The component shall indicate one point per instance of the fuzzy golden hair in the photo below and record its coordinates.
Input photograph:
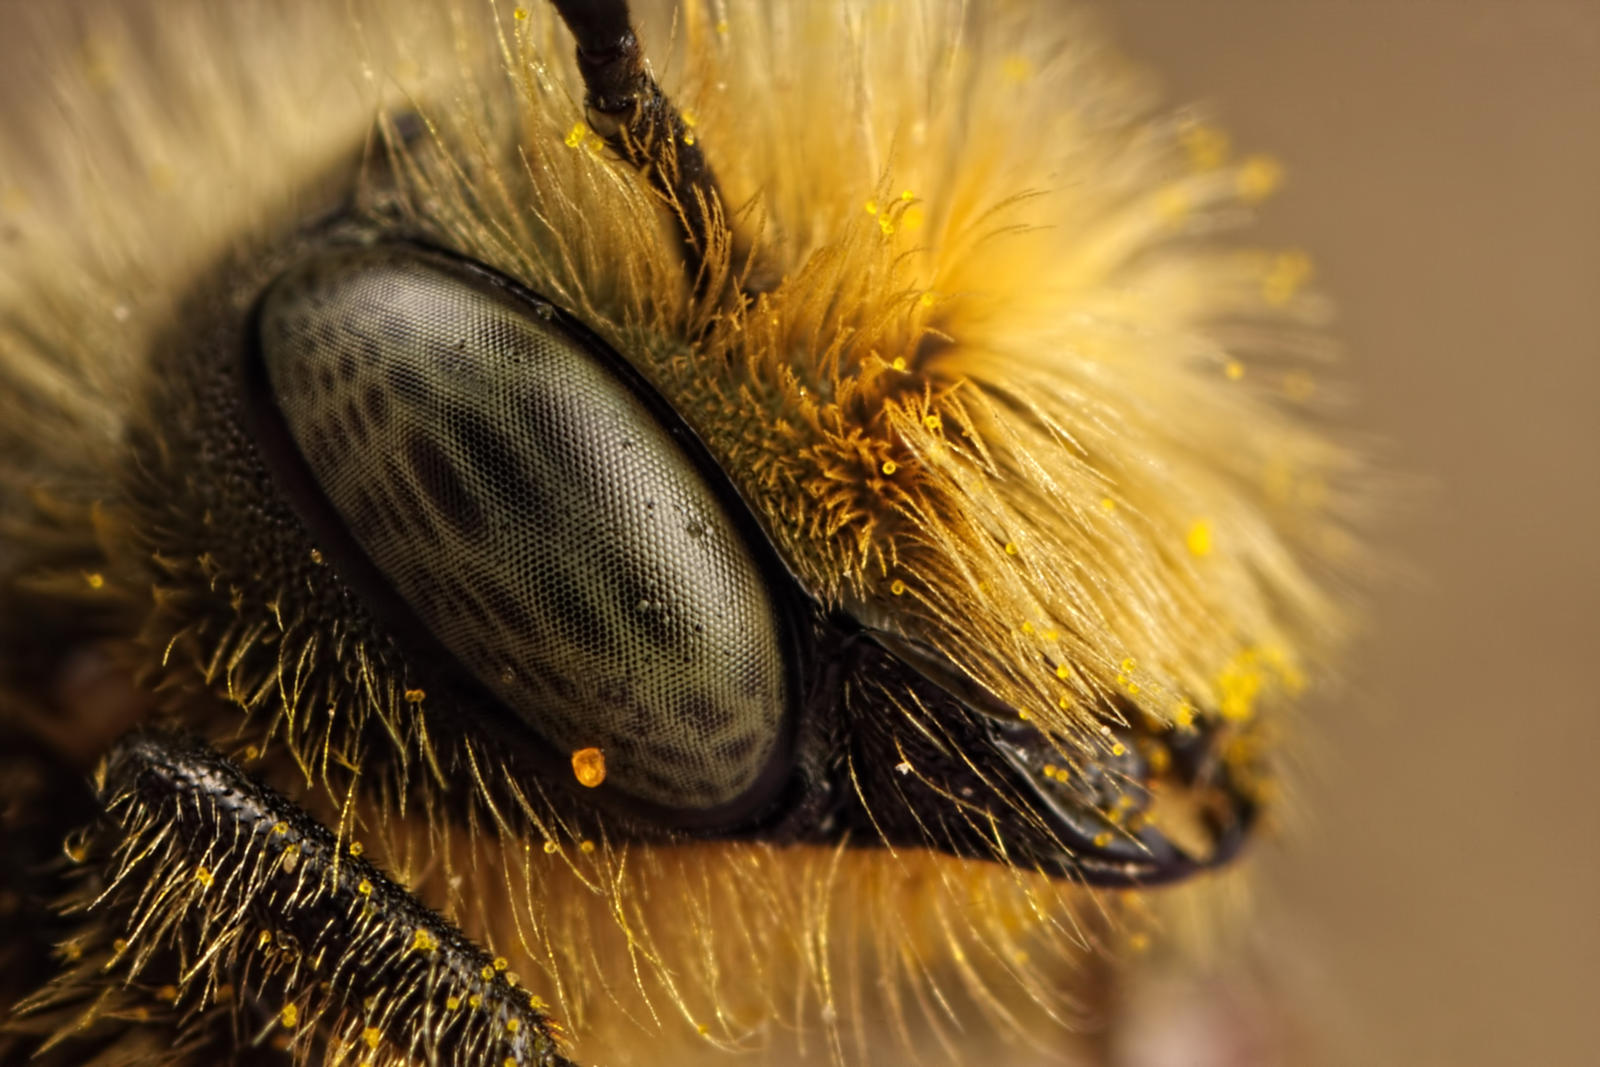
(999, 383)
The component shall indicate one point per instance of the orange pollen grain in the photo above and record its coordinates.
(589, 766)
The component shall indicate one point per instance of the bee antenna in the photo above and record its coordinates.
(629, 110)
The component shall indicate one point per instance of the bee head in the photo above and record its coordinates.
(867, 445)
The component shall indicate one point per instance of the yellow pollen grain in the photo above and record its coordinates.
(1011, 548)
(688, 138)
(1049, 770)
(886, 224)
(1119, 749)
(474, 1000)
(576, 135)
(871, 207)
(1065, 703)
(933, 422)
(280, 828)
(1199, 538)
(263, 940)
(897, 587)
(500, 963)
(550, 848)
(96, 581)
(357, 848)
(586, 846)
(689, 117)
(889, 466)
(487, 972)
(926, 300)
(899, 363)
(907, 195)
(416, 696)
(513, 1025)
(364, 887)
(1183, 715)
(1023, 715)
(422, 941)
(120, 945)
(520, 14)
(289, 1015)
(1258, 178)
(1108, 505)
(1174, 203)
(1285, 277)
(1233, 369)
(589, 767)
(1027, 627)
(452, 1003)
(371, 1036)
(1206, 145)
(1102, 839)
(202, 876)
(1129, 665)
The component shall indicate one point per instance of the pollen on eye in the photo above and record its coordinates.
(589, 767)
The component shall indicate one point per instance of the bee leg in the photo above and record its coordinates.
(222, 902)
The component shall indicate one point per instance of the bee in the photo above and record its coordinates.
(560, 533)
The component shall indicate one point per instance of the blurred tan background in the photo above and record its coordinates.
(1442, 903)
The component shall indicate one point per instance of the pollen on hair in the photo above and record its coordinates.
(1258, 178)
(1206, 145)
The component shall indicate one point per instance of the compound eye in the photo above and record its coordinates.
(537, 511)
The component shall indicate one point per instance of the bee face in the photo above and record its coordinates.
(822, 517)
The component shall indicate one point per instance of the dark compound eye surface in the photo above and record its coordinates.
(534, 513)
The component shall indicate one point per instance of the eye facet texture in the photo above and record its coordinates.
(535, 515)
